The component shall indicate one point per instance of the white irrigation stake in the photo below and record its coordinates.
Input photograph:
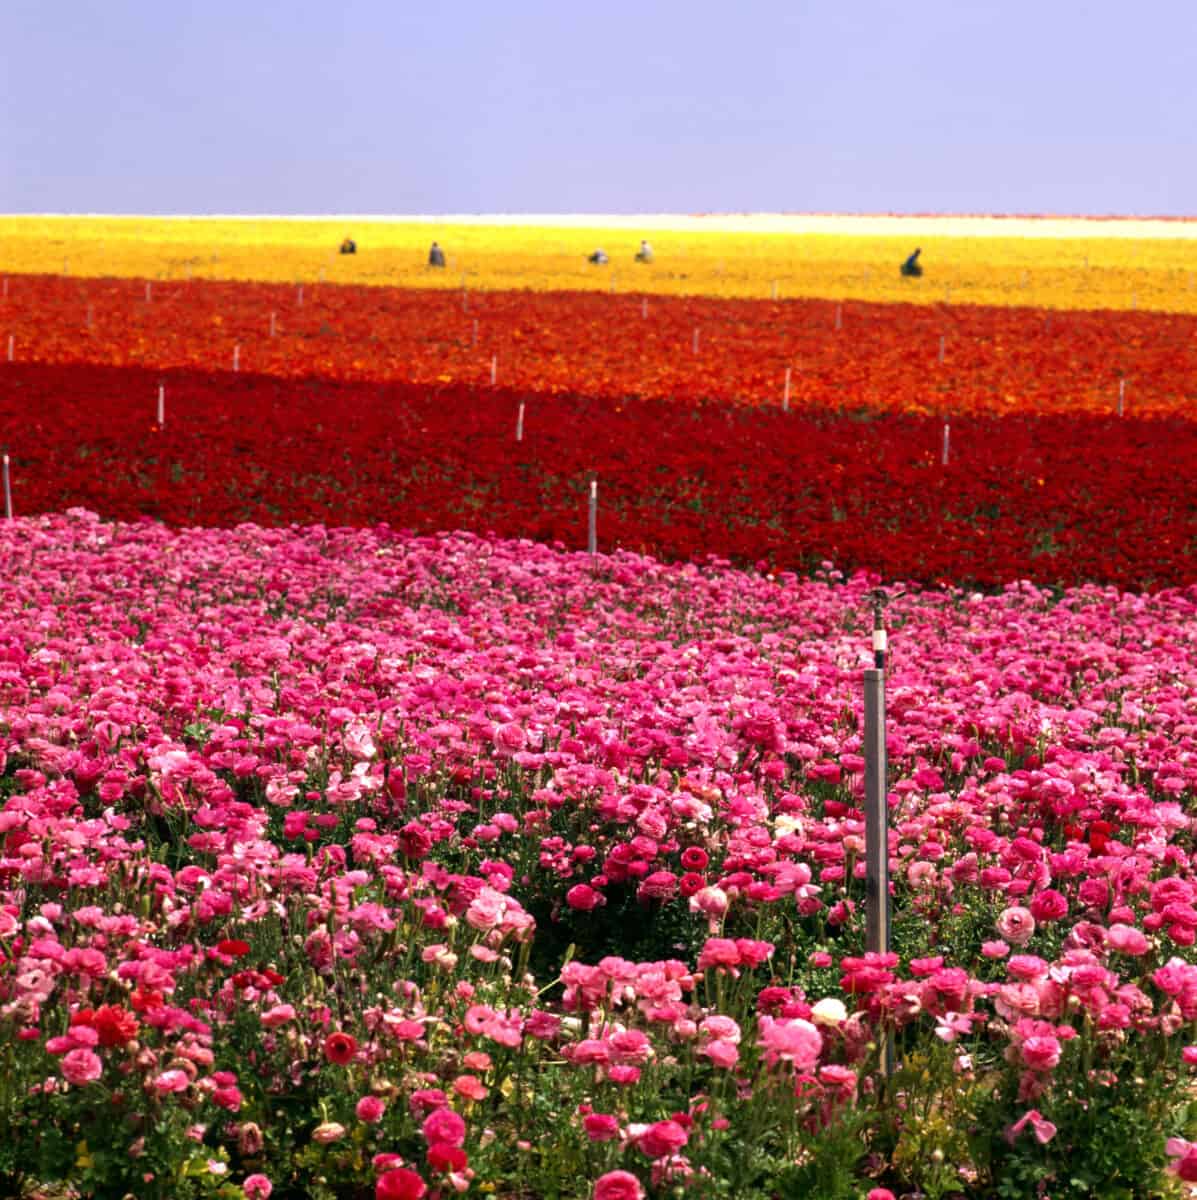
(519, 424)
(161, 406)
(10, 345)
(272, 324)
(694, 342)
(237, 357)
(494, 369)
(941, 345)
(1121, 395)
(592, 524)
(947, 438)
(7, 491)
(839, 316)
(785, 395)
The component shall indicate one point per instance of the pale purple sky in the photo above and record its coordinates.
(395, 106)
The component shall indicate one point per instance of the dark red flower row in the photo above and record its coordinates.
(1059, 499)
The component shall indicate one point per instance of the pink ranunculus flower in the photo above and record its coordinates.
(369, 1109)
(1041, 1053)
(601, 1127)
(444, 1127)
(280, 1014)
(721, 1052)
(1126, 939)
(257, 1187)
(618, 1185)
(584, 898)
(1049, 905)
(1184, 1158)
(84, 1066)
(662, 1139)
(1016, 925)
(794, 1041)
(172, 1081)
(1043, 1129)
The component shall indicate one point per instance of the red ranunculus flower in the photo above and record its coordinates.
(399, 1184)
(340, 1048)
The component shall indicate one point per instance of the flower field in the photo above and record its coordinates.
(352, 862)
(362, 838)
(881, 358)
(1062, 499)
(1052, 262)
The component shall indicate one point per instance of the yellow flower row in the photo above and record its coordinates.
(830, 258)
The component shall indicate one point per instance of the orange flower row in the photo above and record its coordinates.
(808, 353)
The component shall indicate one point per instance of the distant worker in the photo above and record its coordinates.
(911, 265)
(349, 246)
(599, 258)
(436, 256)
(645, 253)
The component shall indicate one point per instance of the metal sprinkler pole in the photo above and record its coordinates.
(877, 901)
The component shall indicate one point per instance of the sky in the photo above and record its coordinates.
(570, 106)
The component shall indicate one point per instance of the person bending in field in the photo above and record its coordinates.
(911, 266)
(599, 258)
(645, 253)
(349, 246)
(436, 256)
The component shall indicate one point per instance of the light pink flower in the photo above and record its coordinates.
(84, 1066)
(794, 1041)
(1016, 925)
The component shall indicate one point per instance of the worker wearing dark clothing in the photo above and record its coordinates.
(911, 265)
(436, 256)
(349, 246)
